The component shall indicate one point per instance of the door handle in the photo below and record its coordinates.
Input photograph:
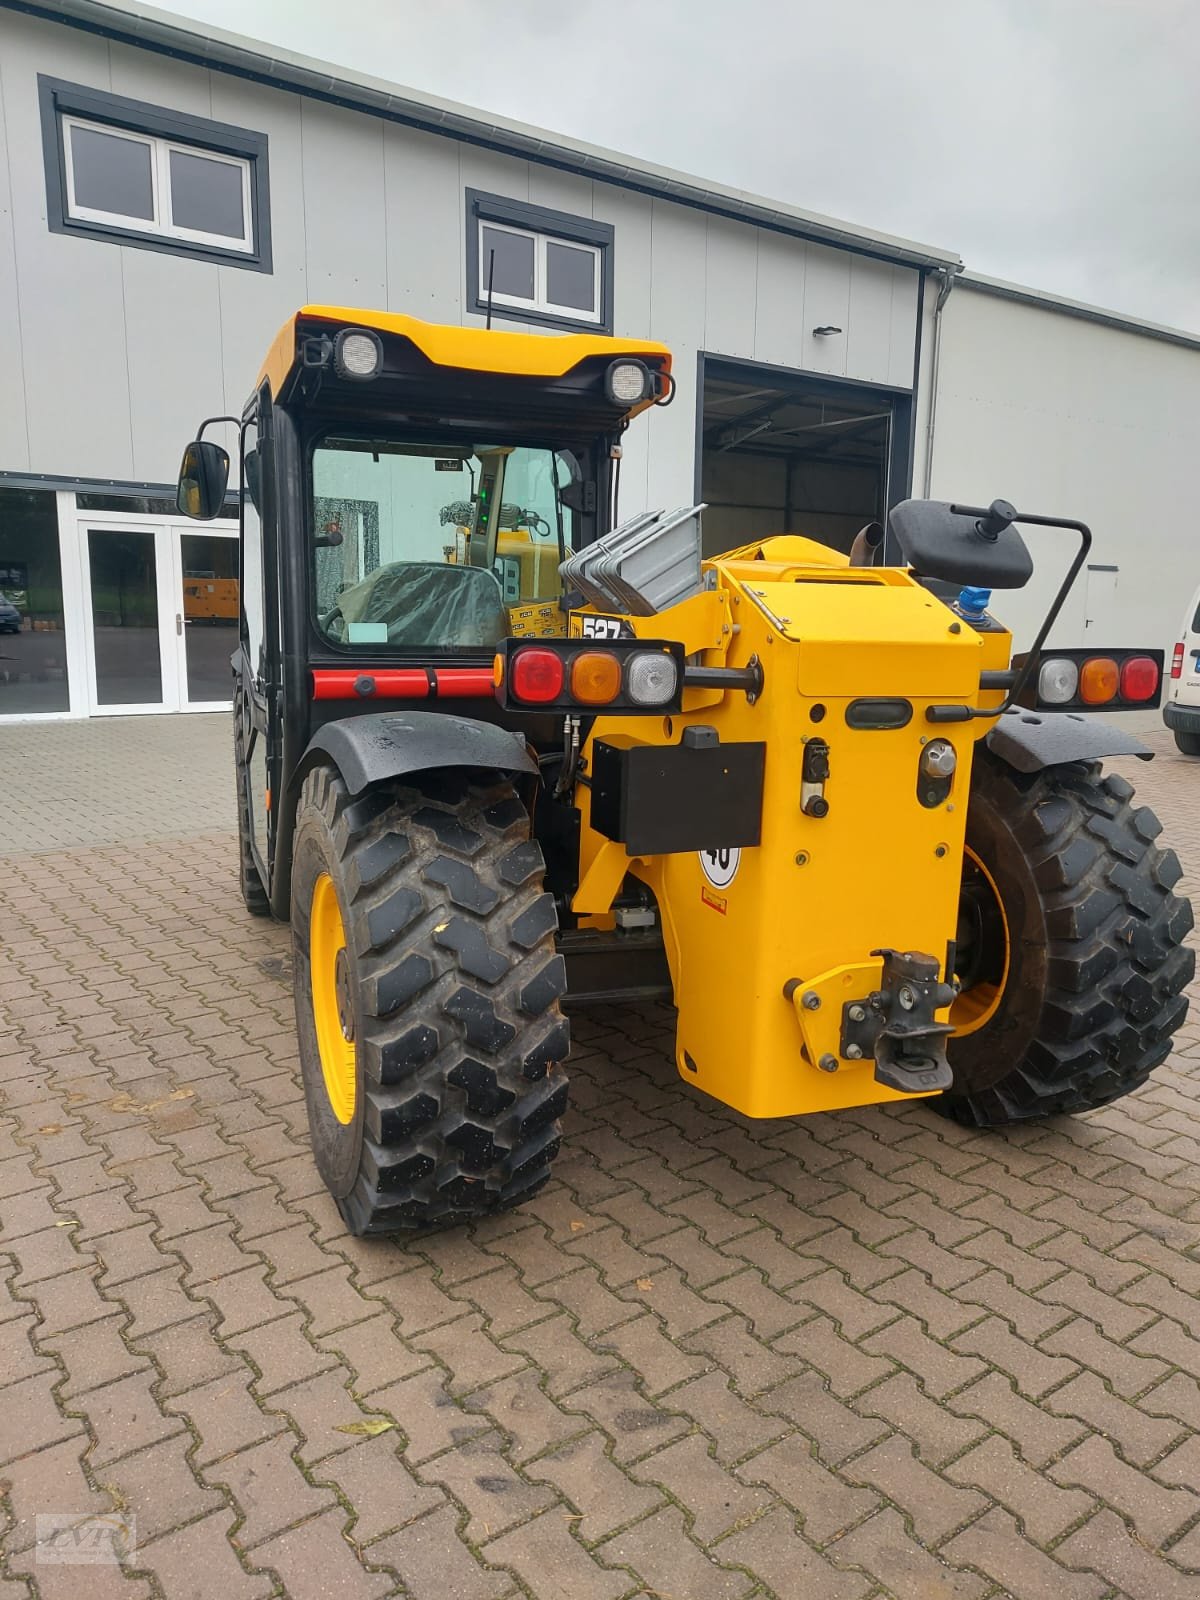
(179, 624)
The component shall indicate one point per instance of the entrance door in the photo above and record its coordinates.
(162, 608)
(131, 655)
(205, 584)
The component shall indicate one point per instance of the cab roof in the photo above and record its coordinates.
(495, 351)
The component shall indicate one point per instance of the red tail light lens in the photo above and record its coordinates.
(1177, 661)
(536, 676)
(1139, 678)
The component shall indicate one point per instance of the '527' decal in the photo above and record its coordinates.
(588, 625)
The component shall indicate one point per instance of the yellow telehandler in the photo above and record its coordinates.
(494, 750)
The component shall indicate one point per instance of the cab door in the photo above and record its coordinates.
(257, 673)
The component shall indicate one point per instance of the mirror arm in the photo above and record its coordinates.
(1032, 660)
(209, 421)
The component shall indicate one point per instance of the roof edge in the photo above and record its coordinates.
(182, 37)
(1001, 289)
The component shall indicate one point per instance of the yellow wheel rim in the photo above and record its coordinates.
(979, 1001)
(333, 1010)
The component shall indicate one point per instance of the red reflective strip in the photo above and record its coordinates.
(388, 683)
(402, 683)
(464, 683)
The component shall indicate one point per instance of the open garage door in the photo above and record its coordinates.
(784, 452)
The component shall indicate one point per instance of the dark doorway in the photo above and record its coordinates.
(787, 452)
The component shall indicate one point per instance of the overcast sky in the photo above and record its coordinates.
(1053, 142)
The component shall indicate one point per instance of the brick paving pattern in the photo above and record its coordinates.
(850, 1357)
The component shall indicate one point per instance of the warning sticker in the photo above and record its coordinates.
(720, 866)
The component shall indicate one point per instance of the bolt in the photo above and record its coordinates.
(801, 858)
(853, 1052)
(810, 1000)
(856, 1014)
(940, 851)
(906, 998)
(956, 627)
(828, 1063)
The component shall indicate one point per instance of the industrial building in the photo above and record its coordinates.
(170, 194)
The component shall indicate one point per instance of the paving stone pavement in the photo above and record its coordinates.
(844, 1358)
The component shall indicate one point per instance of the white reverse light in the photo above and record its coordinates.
(651, 678)
(1058, 681)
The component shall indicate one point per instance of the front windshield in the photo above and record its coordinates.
(438, 546)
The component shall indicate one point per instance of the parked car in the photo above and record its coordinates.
(1181, 710)
(10, 617)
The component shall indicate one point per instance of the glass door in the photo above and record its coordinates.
(130, 653)
(206, 610)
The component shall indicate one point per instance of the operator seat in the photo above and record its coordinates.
(426, 603)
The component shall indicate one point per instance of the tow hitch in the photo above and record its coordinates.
(896, 1024)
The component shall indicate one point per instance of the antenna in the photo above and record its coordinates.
(491, 274)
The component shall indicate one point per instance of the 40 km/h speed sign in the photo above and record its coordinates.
(720, 866)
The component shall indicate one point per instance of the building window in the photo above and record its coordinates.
(33, 646)
(542, 266)
(118, 169)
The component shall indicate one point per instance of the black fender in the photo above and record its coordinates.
(388, 744)
(1031, 740)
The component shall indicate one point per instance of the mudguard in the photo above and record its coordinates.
(1031, 740)
(367, 749)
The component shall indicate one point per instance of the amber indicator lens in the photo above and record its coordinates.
(595, 677)
(1099, 680)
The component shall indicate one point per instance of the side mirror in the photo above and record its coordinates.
(203, 478)
(963, 544)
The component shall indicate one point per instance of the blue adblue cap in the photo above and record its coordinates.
(974, 602)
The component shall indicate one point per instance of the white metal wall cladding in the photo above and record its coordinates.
(119, 351)
(1064, 416)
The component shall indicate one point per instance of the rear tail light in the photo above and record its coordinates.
(1099, 681)
(624, 676)
(1058, 681)
(536, 676)
(1139, 678)
(1177, 661)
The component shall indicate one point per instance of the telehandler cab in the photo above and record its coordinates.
(493, 752)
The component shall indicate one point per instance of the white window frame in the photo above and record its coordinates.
(162, 225)
(540, 302)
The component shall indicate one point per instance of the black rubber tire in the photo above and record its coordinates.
(1098, 963)
(1188, 744)
(254, 895)
(455, 985)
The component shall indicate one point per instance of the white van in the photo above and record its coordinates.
(1181, 710)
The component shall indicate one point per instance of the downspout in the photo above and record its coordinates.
(946, 274)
